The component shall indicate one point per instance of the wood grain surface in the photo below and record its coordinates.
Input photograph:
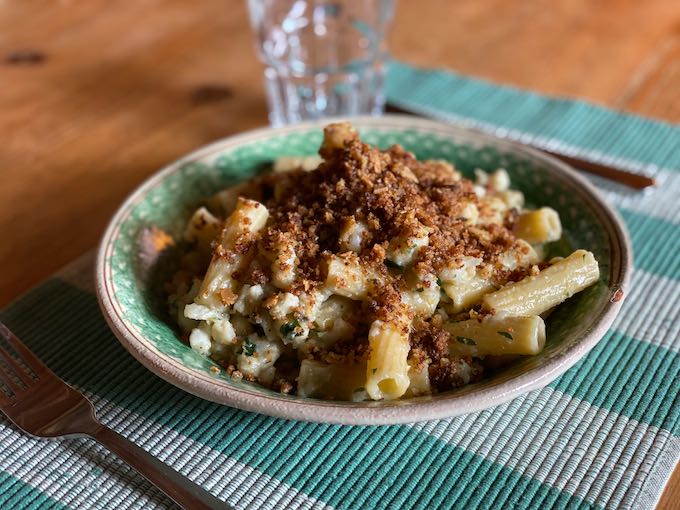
(96, 95)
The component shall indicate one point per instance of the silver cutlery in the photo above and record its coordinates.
(41, 404)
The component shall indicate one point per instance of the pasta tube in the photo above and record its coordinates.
(288, 163)
(347, 277)
(285, 262)
(419, 378)
(202, 229)
(424, 298)
(539, 226)
(225, 201)
(465, 294)
(241, 227)
(497, 335)
(463, 286)
(334, 382)
(536, 294)
(387, 369)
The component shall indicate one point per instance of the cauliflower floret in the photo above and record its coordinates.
(284, 305)
(223, 332)
(249, 299)
(199, 340)
(257, 358)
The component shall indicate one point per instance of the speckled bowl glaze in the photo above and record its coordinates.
(131, 305)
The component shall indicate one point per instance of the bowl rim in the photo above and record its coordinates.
(406, 411)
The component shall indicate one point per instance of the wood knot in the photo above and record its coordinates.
(25, 57)
(210, 93)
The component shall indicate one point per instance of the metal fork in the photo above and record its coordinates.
(43, 405)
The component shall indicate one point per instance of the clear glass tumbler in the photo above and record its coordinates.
(322, 57)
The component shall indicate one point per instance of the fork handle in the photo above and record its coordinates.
(180, 489)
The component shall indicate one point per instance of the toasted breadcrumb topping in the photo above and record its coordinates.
(393, 194)
(375, 209)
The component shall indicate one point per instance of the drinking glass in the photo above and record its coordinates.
(322, 57)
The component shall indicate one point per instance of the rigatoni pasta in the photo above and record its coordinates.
(387, 368)
(538, 293)
(495, 335)
(362, 274)
(218, 287)
(539, 226)
(334, 382)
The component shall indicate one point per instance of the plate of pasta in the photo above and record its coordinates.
(387, 270)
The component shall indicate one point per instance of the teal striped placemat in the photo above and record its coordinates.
(604, 435)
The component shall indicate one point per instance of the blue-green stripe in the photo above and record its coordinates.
(633, 378)
(577, 123)
(656, 243)
(348, 467)
(16, 494)
(613, 376)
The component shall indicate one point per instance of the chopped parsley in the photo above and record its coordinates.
(393, 265)
(420, 289)
(248, 347)
(439, 281)
(465, 340)
(506, 335)
(288, 329)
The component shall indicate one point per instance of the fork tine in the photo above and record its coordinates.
(24, 377)
(6, 378)
(5, 400)
(26, 355)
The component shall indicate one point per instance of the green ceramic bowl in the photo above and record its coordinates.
(132, 302)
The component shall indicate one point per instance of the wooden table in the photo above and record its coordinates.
(96, 95)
